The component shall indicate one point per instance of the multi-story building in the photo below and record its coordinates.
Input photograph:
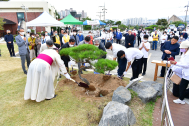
(12, 12)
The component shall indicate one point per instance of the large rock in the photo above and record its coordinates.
(147, 90)
(121, 95)
(117, 114)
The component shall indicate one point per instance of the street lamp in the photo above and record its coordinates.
(26, 9)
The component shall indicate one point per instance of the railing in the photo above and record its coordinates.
(166, 119)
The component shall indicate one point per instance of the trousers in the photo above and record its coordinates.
(154, 45)
(11, 50)
(23, 59)
(176, 89)
(136, 67)
(139, 40)
(118, 41)
(182, 89)
(32, 54)
(143, 65)
(122, 66)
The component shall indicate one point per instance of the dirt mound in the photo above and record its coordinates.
(103, 86)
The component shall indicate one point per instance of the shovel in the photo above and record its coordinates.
(81, 84)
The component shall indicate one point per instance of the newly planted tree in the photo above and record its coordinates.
(105, 65)
(84, 54)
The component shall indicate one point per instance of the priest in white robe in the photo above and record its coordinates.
(41, 75)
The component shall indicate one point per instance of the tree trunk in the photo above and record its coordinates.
(79, 73)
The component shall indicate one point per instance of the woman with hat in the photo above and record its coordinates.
(184, 64)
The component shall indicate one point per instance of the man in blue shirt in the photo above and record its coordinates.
(170, 48)
(9, 40)
(81, 38)
(118, 36)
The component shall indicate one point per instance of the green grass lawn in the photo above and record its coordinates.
(65, 109)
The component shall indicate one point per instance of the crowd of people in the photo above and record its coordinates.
(41, 53)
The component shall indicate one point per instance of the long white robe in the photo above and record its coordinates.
(41, 75)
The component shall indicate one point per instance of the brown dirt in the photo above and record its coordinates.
(74, 72)
(103, 88)
(106, 77)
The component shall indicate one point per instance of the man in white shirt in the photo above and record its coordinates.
(122, 62)
(163, 38)
(132, 54)
(103, 37)
(47, 37)
(144, 47)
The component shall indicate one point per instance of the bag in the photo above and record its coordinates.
(176, 79)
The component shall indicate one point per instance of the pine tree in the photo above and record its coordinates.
(85, 54)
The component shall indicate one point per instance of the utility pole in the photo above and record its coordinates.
(104, 11)
(186, 13)
(99, 15)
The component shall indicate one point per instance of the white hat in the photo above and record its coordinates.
(184, 44)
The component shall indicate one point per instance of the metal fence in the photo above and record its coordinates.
(166, 119)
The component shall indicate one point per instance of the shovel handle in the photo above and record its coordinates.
(72, 80)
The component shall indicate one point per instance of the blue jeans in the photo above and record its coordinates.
(134, 43)
(103, 41)
(112, 41)
(154, 44)
(122, 66)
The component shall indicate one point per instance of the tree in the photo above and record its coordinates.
(4, 0)
(162, 22)
(57, 15)
(118, 23)
(84, 54)
(105, 65)
(122, 27)
(84, 19)
(1, 23)
(110, 22)
(136, 27)
(179, 22)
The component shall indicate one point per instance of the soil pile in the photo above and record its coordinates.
(104, 85)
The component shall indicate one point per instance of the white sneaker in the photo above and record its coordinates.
(178, 101)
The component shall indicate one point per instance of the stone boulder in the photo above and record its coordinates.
(121, 95)
(147, 90)
(117, 114)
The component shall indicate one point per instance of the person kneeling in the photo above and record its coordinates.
(41, 75)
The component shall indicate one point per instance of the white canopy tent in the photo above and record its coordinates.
(43, 20)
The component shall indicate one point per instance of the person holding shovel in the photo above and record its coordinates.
(41, 75)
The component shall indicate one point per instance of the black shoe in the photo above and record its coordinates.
(143, 74)
(25, 72)
(161, 75)
(60, 76)
(132, 78)
(53, 97)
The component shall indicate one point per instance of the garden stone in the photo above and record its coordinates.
(121, 95)
(157, 86)
(147, 94)
(117, 114)
(147, 90)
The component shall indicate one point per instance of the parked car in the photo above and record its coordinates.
(181, 27)
(172, 26)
